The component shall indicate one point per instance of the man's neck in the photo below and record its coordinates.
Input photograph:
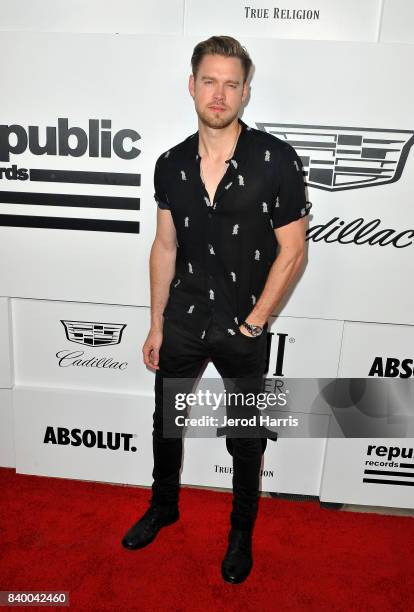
(217, 144)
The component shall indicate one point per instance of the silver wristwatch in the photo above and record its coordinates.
(255, 330)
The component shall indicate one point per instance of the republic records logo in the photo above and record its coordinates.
(336, 158)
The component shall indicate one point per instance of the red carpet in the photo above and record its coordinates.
(58, 534)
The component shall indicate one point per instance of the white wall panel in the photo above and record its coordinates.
(94, 16)
(7, 458)
(311, 347)
(309, 19)
(346, 465)
(397, 21)
(368, 349)
(86, 346)
(6, 349)
(81, 81)
(296, 464)
(373, 471)
(87, 411)
(208, 463)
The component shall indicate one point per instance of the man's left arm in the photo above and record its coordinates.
(291, 239)
(289, 223)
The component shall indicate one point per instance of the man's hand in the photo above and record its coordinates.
(151, 348)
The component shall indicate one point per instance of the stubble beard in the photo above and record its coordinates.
(216, 122)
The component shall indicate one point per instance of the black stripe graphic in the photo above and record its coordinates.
(79, 176)
(389, 472)
(91, 225)
(393, 482)
(381, 141)
(306, 144)
(65, 199)
(361, 170)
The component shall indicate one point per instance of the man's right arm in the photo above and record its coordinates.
(162, 265)
(162, 270)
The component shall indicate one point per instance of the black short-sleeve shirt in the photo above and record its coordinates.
(225, 248)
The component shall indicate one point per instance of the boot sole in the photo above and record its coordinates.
(232, 580)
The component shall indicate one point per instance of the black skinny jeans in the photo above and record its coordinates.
(182, 355)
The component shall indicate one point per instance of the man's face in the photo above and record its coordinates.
(218, 90)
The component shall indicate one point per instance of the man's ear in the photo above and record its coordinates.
(191, 85)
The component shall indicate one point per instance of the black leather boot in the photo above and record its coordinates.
(144, 531)
(238, 560)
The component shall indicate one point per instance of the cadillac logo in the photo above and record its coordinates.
(93, 334)
(336, 158)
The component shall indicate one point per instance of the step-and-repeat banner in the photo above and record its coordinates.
(80, 131)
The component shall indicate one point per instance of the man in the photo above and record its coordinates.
(227, 197)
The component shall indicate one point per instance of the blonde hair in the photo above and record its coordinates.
(221, 45)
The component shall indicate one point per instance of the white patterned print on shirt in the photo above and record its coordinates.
(267, 156)
(241, 180)
(211, 294)
(177, 283)
(264, 206)
(190, 310)
(296, 165)
(257, 254)
(211, 249)
(183, 176)
(203, 334)
(233, 276)
(233, 161)
(186, 220)
(231, 331)
(228, 185)
(253, 299)
(235, 229)
(190, 267)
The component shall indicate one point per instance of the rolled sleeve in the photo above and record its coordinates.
(290, 198)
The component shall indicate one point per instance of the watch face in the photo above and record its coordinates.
(256, 330)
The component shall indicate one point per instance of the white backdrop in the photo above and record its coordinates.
(357, 281)
(76, 226)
